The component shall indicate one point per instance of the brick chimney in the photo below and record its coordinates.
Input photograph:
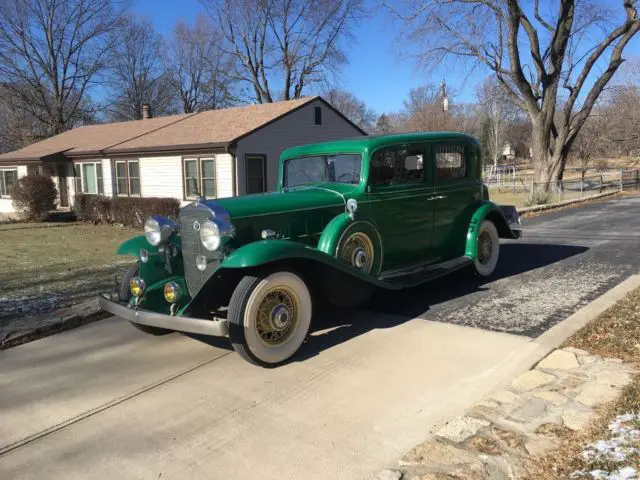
(146, 111)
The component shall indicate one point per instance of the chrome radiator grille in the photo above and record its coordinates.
(191, 217)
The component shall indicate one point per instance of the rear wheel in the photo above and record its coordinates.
(488, 249)
(124, 293)
(269, 317)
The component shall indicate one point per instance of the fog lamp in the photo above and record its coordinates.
(172, 292)
(137, 286)
(144, 255)
(201, 262)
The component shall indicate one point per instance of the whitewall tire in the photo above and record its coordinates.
(488, 249)
(269, 317)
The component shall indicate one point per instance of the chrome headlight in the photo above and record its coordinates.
(158, 230)
(210, 235)
(215, 233)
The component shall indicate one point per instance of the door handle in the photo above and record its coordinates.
(437, 197)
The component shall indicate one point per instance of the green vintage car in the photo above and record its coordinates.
(348, 217)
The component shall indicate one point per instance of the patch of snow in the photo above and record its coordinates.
(623, 442)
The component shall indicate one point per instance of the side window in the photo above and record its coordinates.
(450, 162)
(397, 165)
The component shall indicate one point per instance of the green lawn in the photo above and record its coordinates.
(50, 266)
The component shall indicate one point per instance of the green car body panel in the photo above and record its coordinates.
(426, 222)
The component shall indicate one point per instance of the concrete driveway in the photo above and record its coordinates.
(105, 401)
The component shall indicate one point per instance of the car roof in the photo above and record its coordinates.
(372, 142)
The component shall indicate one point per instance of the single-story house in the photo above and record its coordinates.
(219, 153)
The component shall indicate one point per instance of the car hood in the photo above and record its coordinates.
(301, 198)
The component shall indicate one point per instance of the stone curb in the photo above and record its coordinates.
(52, 323)
(551, 206)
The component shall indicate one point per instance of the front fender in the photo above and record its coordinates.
(263, 252)
(330, 237)
(487, 210)
(133, 246)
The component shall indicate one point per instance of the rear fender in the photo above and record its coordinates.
(486, 211)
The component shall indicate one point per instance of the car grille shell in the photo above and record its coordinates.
(191, 218)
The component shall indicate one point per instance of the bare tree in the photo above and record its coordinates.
(423, 109)
(384, 125)
(199, 67)
(499, 111)
(534, 55)
(589, 142)
(137, 74)
(51, 53)
(352, 108)
(293, 44)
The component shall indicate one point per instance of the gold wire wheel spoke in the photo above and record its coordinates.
(278, 300)
(358, 246)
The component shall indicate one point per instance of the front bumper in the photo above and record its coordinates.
(218, 328)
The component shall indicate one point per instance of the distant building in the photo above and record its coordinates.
(509, 152)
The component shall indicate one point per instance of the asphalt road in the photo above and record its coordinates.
(105, 401)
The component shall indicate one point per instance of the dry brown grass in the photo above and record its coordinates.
(615, 333)
(48, 267)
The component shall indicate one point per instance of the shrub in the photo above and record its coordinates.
(131, 211)
(34, 196)
(537, 197)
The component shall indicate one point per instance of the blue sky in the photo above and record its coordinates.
(378, 72)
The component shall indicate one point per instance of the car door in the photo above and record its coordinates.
(398, 186)
(455, 193)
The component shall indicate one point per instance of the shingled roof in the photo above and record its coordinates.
(212, 128)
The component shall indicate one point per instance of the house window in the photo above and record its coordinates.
(450, 161)
(317, 116)
(128, 177)
(256, 177)
(89, 178)
(397, 165)
(199, 177)
(8, 178)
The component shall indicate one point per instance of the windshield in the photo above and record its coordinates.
(343, 168)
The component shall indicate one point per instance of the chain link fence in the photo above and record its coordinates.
(520, 189)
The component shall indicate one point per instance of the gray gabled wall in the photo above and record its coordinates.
(297, 128)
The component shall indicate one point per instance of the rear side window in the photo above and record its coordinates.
(396, 165)
(450, 161)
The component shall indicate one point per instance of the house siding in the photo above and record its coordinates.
(161, 177)
(224, 175)
(297, 128)
(6, 204)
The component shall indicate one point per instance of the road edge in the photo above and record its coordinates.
(55, 322)
(564, 203)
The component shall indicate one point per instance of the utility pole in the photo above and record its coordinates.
(445, 104)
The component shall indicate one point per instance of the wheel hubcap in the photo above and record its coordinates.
(485, 247)
(359, 258)
(357, 250)
(278, 315)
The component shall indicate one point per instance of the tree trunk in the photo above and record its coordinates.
(547, 164)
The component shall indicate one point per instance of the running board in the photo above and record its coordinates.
(420, 274)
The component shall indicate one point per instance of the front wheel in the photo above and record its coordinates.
(269, 317)
(488, 249)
